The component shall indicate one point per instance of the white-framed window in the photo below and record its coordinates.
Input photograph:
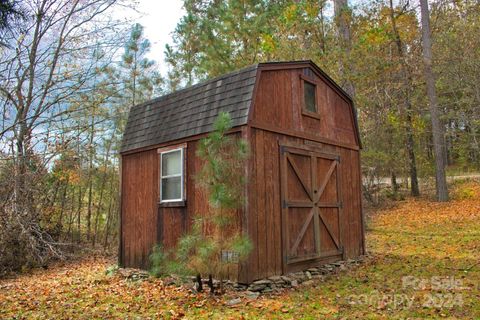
(171, 175)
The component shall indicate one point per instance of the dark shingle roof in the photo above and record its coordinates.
(190, 111)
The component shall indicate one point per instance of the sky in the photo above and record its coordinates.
(159, 18)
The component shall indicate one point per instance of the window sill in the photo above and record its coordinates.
(173, 204)
(310, 114)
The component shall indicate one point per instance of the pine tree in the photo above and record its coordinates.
(138, 74)
(223, 246)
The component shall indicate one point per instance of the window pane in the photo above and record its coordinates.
(171, 188)
(171, 163)
(309, 93)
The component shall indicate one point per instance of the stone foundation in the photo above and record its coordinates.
(272, 284)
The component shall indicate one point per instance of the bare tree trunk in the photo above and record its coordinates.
(134, 79)
(100, 200)
(109, 214)
(322, 29)
(79, 211)
(412, 163)
(406, 107)
(90, 172)
(393, 180)
(50, 202)
(62, 209)
(111, 210)
(70, 216)
(342, 12)
(438, 131)
(97, 215)
(21, 164)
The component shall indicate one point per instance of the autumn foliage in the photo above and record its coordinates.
(415, 238)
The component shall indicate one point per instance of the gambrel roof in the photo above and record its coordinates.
(192, 111)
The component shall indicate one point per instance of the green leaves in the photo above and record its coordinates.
(138, 75)
(215, 37)
(224, 159)
(222, 124)
(241, 245)
(158, 261)
(214, 231)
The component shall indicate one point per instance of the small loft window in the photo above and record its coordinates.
(310, 96)
(171, 175)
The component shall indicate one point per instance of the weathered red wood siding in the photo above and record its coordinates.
(278, 105)
(139, 207)
(176, 221)
(277, 118)
(146, 222)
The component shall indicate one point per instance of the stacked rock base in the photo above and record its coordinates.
(291, 280)
(306, 278)
(272, 284)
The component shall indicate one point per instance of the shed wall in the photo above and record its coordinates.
(146, 222)
(139, 205)
(278, 106)
(264, 205)
(277, 119)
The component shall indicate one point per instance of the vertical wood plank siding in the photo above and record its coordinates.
(278, 119)
(139, 207)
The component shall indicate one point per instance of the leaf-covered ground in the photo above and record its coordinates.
(424, 263)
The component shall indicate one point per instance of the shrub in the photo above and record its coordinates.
(222, 177)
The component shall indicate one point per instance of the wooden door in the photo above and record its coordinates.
(311, 207)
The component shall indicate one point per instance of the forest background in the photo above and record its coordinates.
(70, 71)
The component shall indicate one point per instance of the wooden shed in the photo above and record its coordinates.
(303, 199)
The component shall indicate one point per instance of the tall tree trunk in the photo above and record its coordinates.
(99, 209)
(393, 180)
(62, 209)
(438, 131)
(342, 13)
(109, 215)
(91, 153)
(134, 79)
(102, 188)
(406, 107)
(70, 216)
(112, 210)
(322, 29)
(412, 162)
(79, 211)
(21, 166)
